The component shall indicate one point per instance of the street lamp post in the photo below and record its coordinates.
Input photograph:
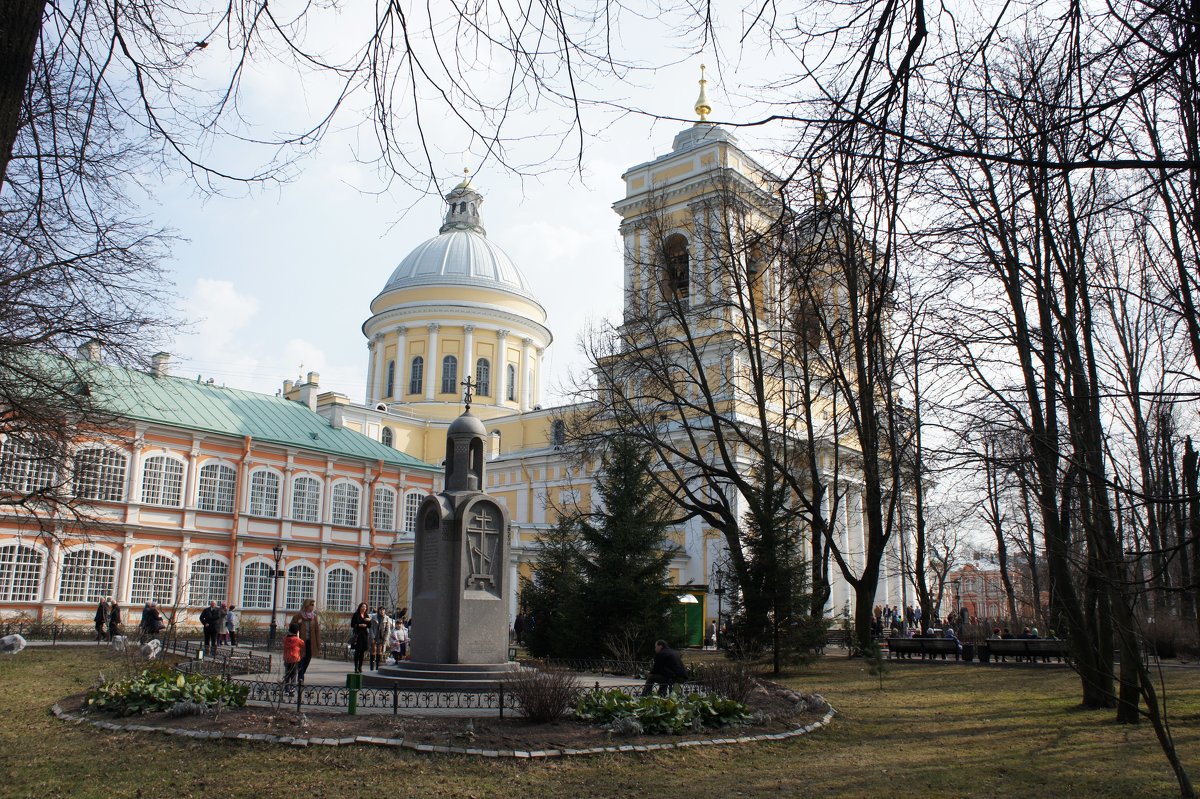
(277, 551)
(719, 584)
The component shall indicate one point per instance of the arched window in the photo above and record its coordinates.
(88, 575)
(306, 499)
(217, 485)
(449, 375)
(153, 580)
(26, 467)
(412, 503)
(339, 590)
(385, 509)
(257, 585)
(209, 581)
(379, 590)
(558, 432)
(511, 383)
(301, 585)
(162, 482)
(416, 375)
(20, 573)
(391, 380)
(387, 437)
(345, 504)
(483, 377)
(100, 474)
(264, 493)
(673, 280)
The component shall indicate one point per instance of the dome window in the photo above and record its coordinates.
(483, 377)
(387, 438)
(449, 375)
(511, 388)
(391, 379)
(416, 375)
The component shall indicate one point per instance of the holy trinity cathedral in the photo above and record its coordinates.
(215, 493)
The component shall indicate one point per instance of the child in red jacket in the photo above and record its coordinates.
(293, 652)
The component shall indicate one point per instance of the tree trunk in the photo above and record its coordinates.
(20, 25)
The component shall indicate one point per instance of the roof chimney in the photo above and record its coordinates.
(308, 390)
(314, 379)
(90, 350)
(160, 362)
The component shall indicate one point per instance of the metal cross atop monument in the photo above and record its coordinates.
(467, 393)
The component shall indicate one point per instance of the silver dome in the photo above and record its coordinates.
(459, 258)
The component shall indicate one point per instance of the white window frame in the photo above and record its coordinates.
(384, 508)
(165, 488)
(345, 502)
(22, 572)
(295, 591)
(216, 489)
(204, 584)
(258, 585)
(312, 501)
(156, 583)
(380, 594)
(339, 597)
(412, 506)
(261, 491)
(86, 589)
(107, 473)
(22, 469)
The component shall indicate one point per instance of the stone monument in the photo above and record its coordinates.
(460, 575)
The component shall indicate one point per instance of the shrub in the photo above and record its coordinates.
(161, 689)
(661, 715)
(731, 679)
(545, 694)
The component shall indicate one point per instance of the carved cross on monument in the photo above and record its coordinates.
(483, 541)
(467, 393)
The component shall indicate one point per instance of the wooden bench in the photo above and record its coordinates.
(1029, 649)
(925, 647)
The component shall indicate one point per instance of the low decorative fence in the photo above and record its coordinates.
(225, 661)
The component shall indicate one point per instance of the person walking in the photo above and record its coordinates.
(101, 619)
(310, 633)
(360, 634)
(114, 620)
(381, 634)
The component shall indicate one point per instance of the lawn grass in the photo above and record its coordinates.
(935, 730)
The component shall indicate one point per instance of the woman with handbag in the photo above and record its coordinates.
(360, 634)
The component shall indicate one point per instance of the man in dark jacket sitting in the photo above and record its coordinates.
(666, 671)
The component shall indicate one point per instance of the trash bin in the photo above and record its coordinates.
(968, 652)
(985, 654)
(353, 684)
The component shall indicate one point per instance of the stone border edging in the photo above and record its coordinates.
(518, 754)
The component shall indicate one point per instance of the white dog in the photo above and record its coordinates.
(118, 643)
(12, 644)
(151, 649)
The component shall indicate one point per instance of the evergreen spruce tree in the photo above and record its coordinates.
(553, 599)
(625, 556)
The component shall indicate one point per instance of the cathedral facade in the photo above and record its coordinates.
(207, 489)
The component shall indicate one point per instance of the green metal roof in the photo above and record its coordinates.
(210, 408)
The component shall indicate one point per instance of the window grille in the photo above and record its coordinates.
(301, 585)
(385, 508)
(345, 504)
(209, 581)
(217, 485)
(257, 586)
(306, 499)
(26, 467)
(412, 502)
(88, 575)
(20, 573)
(264, 493)
(162, 481)
(153, 580)
(100, 475)
(339, 590)
(379, 592)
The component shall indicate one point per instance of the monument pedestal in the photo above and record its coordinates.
(411, 675)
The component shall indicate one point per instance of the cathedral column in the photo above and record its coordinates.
(468, 369)
(523, 378)
(401, 387)
(501, 366)
(537, 382)
(432, 370)
(372, 370)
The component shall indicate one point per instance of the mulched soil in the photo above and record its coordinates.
(776, 709)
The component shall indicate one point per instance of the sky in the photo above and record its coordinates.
(276, 281)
